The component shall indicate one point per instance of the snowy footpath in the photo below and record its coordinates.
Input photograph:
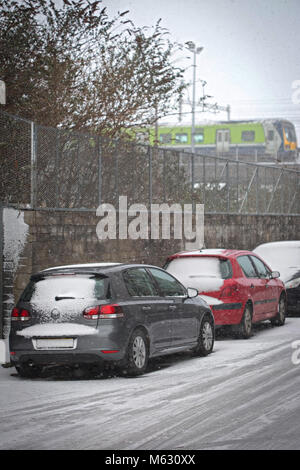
(243, 396)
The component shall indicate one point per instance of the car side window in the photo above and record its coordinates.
(139, 283)
(167, 284)
(247, 266)
(261, 268)
(226, 269)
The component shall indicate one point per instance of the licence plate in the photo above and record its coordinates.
(54, 343)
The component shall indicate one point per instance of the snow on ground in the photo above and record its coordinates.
(244, 395)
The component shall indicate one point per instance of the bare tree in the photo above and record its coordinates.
(73, 66)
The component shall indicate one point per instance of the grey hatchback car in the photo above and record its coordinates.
(95, 315)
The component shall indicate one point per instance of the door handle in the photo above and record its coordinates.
(146, 307)
(172, 307)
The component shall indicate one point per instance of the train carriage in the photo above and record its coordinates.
(274, 138)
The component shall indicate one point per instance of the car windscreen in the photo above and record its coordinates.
(205, 273)
(59, 287)
(284, 258)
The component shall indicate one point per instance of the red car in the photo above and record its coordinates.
(238, 285)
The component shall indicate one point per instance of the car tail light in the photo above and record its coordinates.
(229, 291)
(20, 314)
(103, 311)
(91, 313)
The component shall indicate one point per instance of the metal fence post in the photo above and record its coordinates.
(228, 188)
(193, 171)
(116, 173)
(150, 175)
(99, 171)
(1, 273)
(237, 185)
(57, 165)
(204, 179)
(33, 188)
(257, 191)
(164, 175)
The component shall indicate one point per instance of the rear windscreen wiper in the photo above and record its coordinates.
(58, 297)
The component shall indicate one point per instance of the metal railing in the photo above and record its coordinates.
(49, 168)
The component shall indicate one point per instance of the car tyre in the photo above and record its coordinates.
(29, 372)
(279, 319)
(245, 327)
(137, 354)
(206, 337)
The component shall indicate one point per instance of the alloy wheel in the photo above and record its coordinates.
(281, 310)
(248, 322)
(207, 336)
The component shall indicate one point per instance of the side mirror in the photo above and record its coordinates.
(192, 292)
(275, 274)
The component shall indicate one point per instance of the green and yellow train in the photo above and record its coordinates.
(269, 137)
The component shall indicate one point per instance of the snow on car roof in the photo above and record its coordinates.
(87, 265)
(281, 244)
(206, 252)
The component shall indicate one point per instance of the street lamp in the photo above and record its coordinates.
(195, 50)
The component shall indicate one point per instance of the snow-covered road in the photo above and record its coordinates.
(243, 396)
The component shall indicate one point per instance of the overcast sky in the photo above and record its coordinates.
(251, 49)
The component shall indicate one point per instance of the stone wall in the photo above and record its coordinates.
(51, 238)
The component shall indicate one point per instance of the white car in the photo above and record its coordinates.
(285, 257)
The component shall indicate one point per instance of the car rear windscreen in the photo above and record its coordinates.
(204, 273)
(59, 287)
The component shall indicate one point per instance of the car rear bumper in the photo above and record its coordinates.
(107, 346)
(293, 300)
(293, 308)
(228, 313)
(63, 358)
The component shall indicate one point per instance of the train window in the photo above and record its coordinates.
(199, 137)
(165, 138)
(248, 136)
(181, 138)
(270, 135)
(290, 134)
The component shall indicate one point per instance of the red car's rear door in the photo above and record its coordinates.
(255, 287)
(271, 296)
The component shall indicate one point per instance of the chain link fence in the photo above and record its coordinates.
(51, 168)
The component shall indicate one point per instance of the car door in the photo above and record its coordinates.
(148, 307)
(254, 287)
(270, 286)
(184, 321)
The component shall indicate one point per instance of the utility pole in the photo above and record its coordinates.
(228, 109)
(196, 50)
